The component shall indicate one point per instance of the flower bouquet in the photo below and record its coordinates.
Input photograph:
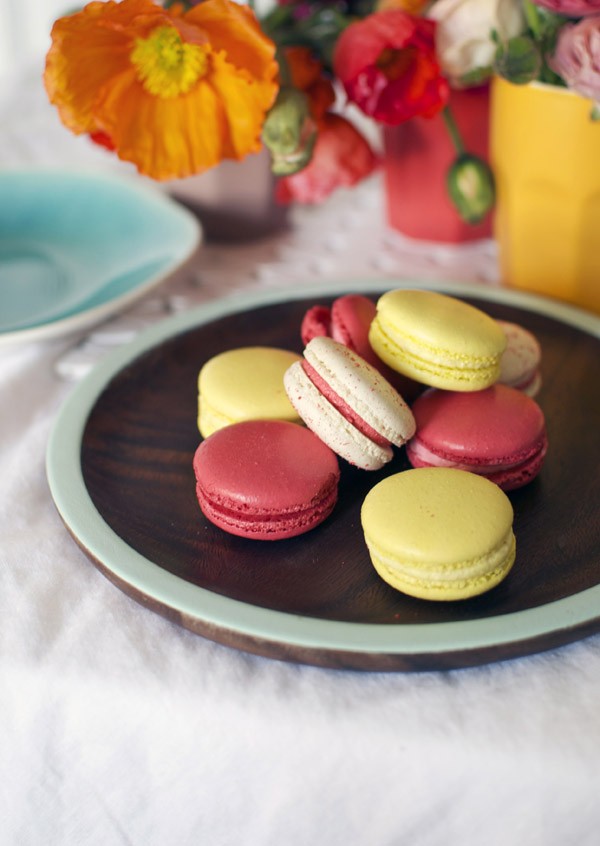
(178, 88)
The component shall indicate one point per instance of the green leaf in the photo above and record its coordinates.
(477, 76)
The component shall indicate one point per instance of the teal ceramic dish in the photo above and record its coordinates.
(77, 247)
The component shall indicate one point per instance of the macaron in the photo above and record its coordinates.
(348, 404)
(437, 340)
(521, 360)
(266, 479)
(439, 533)
(499, 433)
(244, 384)
(347, 321)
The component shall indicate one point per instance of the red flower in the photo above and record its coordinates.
(342, 157)
(388, 67)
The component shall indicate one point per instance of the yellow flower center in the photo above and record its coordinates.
(166, 65)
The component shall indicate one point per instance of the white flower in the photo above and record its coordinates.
(463, 36)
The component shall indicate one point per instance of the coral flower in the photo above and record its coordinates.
(172, 92)
(341, 157)
(388, 67)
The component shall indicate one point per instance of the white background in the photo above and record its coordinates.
(25, 34)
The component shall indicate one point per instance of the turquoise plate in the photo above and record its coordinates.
(77, 247)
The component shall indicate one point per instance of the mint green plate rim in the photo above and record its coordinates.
(307, 633)
(190, 239)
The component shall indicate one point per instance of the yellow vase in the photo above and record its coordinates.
(545, 151)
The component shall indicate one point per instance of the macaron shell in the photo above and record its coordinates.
(437, 340)
(265, 479)
(330, 426)
(520, 361)
(363, 388)
(439, 533)
(316, 323)
(499, 432)
(351, 318)
(244, 384)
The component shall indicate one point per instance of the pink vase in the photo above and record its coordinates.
(417, 157)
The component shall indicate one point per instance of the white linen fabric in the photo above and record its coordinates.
(122, 729)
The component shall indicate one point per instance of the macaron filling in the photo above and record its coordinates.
(342, 406)
(237, 515)
(425, 457)
(477, 575)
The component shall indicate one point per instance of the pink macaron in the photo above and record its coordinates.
(348, 404)
(347, 321)
(520, 362)
(266, 479)
(499, 433)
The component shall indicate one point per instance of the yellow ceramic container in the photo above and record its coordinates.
(545, 151)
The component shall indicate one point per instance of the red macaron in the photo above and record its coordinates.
(266, 479)
(499, 433)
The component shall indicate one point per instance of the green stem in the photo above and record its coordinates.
(533, 18)
(453, 130)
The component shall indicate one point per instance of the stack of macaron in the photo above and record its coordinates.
(477, 377)
(443, 530)
(275, 424)
(260, 474)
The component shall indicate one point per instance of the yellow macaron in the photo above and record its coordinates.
(439, 533)
(437, 340)
(244, 384)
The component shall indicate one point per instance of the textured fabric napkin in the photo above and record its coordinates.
(121, 729)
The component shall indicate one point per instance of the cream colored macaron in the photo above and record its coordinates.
(437, 340)
(244, 384)
(348, 404)
(439, 533)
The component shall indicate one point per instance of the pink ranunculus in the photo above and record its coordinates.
(573, 8)
(576, 58)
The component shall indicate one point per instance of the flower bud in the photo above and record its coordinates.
(289, 132)
(471, 187)
(518, 60)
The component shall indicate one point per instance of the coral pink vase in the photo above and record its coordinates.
(417, 157)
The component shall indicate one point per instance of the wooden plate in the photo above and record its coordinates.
(120, 471)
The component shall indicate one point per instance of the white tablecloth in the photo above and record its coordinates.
(121, 728)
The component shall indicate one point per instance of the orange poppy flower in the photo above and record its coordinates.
(172, 92)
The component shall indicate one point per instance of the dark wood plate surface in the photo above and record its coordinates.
(138, 437)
